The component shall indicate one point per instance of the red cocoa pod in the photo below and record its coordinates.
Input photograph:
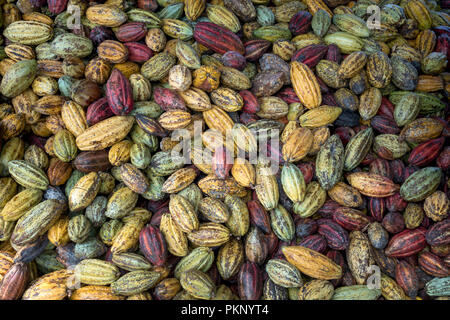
(407, 279)
(385, 125)
(328, 209)
(305, 227)
(360, 128)
(406, 243)
(157, 205)
(426, 152)
(345, 134)
(149, 125)
(334, 54)
(443, 45)
(395, 203)
(222, 163)
(57, 6)
(329, 100)
(433, 265)
(98, 111)
(131, 31)
(409, 170)
(439, 233)
(217, 38)
(323, 87)
(381, 167)
(153, 245)
(288, 95)
(336, 236)
(310, 55)
(350, 219)
(300, 23)
(33, 139)
(425, 222)
(397, 170)
(99, 34)
(384, 153)
(314, 242)
(393, 222)
(370, 156)
(307, 169)
(251, 104)
(377, 208)
(254, 49)
(156, 217)
(149, 5)
(442, 29)
(119, 93)
(14, 282)
(337, 257)
(38, 3)
(386, 108)
(168, 99)
(274, 153)
(250, 281)
(138, 52)
(92, 161)
(443, 161)
(272, 243)
(247, 118)
(214, 274)
(259, 216)
(234, 59)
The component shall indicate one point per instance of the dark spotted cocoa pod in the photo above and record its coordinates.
(387, 264)
(256, 249)
(439, 233)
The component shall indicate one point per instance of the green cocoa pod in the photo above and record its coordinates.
(421, 184)
(18, 78)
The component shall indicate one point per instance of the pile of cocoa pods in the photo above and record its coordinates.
(224, 150)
